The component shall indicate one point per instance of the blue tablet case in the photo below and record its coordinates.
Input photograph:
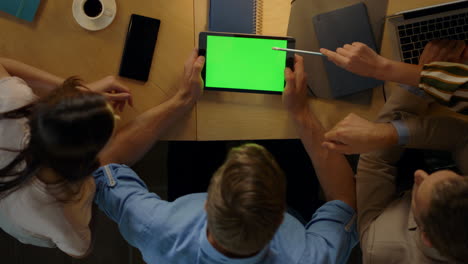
(236, 16)
(337, 28)
(24, 9)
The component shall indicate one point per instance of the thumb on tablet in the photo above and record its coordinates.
(198, 66)
(290, 78)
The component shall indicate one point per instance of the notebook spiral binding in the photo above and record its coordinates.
(258, 16)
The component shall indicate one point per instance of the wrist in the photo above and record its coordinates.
(183, 100)
(384, 68)
(390, 134)
(305, 119)
(400, 72)
(300, 115)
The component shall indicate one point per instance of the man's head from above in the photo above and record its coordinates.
(246, 201)
(440, 208)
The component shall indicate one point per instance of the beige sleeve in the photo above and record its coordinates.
(376, 189)
(375, 179)
(376, 173)
(440, 133)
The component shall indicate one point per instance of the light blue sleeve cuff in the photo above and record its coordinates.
(416, 91)
(403, 132)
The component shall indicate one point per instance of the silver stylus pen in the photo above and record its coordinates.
(300, 51)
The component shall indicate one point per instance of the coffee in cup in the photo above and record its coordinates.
(94, 9)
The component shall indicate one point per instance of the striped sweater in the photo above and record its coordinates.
(448, 83)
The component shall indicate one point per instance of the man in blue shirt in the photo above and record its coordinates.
(242, 218)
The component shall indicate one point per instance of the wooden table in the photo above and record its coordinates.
(56, 43)
(223, 115)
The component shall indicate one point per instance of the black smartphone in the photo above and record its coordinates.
(139, 47)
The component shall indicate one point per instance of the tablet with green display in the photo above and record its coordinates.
(245, 63)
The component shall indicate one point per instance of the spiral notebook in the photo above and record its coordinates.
(236, 16)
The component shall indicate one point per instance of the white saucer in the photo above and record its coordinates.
(90, 24)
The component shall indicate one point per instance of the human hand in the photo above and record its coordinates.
(358, 58)
(444, 50)
(192, 83)
(117, 93)
(295, 92)
(355, 134)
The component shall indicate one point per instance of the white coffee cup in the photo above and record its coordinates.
(92, 9)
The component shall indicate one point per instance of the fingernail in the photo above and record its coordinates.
(201, 59)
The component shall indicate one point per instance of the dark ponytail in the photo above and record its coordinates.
(68, 129)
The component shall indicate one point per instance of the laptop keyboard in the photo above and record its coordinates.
(415, 36)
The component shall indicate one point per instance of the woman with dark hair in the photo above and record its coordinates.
(51, 132)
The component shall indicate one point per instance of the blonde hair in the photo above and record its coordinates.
(246, 200)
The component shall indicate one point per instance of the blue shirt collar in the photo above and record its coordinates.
(209, 250)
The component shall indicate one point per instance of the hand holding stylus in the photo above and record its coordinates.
(358, 58)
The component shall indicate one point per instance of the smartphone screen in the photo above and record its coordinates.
(139, 47)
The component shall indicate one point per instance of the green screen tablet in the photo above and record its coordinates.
(244, 63)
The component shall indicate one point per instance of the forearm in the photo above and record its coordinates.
(333, 170)
(40, 81)
(439, 133)
(134, 140)
(399, 72)
(125, 199)
(436, 132)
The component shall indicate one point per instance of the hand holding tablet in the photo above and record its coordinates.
(245, 63)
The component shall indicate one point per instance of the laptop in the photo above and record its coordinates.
(415, 28)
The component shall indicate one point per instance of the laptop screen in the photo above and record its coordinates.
(435, 9)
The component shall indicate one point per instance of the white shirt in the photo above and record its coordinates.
(32, 214)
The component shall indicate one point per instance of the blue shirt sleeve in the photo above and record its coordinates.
(124, 198)
(403, 132)
(416, 91)
(332, 232)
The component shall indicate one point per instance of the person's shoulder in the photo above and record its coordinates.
(187, 208)
(14, 93)
(32, 215)
(12, 85)
(195, 197)
(194, 204)
(178, 222)
(387, 250)
(290, 241)
(332, 226)
(391, 230)
(331, 234)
